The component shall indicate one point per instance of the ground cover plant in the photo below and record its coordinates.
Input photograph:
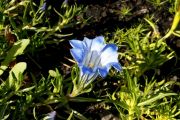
(89, 60)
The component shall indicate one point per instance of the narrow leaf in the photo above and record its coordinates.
(159, 96)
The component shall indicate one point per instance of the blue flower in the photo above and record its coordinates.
(44, 7)
(51, 115)
(53, 3)
(94, 58)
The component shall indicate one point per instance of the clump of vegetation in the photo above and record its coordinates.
(56, 57)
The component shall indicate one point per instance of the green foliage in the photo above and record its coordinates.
(141, 103)
(142, 51)
(38, 25)
(57, 81)
(26, 92)
(158, 3)
(16, 50)
(10, 87)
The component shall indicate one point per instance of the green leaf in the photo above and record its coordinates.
(79, 115)
(52, 73)
(57, 81)
(27, 89)
(121, 104)
(17, 49)
(70, 116)
(2, 111)
(159, 96)
(16, 73)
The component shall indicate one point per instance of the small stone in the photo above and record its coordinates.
(178, 43)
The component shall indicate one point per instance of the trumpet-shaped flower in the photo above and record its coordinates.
(94, 58)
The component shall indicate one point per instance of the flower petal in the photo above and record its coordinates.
(78, 55)
(86, 70)
(94, 44)
(98, 43)
(103, 71)
(87, 42)
(90, 59)
(117, 66)
(109, 54)
(51, 115)
(44, 7)
(77, 44)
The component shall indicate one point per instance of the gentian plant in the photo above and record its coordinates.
(94, 58)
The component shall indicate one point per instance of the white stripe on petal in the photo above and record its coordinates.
(87, 58)
(92, 60)
(87, 43)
